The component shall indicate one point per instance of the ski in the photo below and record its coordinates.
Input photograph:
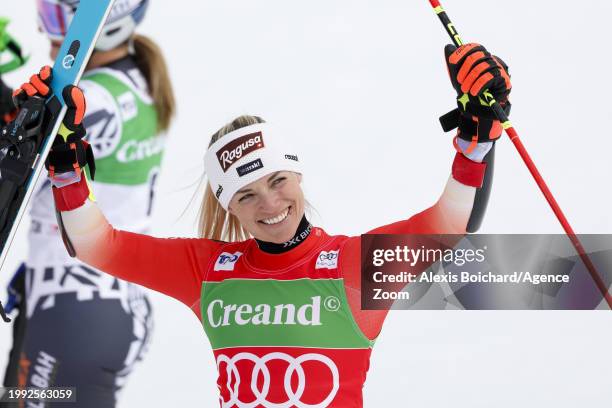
(26, 151)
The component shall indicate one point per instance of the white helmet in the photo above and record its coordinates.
(54, 17)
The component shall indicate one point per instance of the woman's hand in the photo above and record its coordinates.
(70, 153)
(478, 77)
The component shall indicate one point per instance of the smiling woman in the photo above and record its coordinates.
(288, 298)
(278, 219)
(270, 207)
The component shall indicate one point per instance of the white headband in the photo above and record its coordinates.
(244, 156)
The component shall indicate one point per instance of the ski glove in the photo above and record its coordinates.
(69, 153)
(478, 77)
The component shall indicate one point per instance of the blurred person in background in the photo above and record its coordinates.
(79, 327)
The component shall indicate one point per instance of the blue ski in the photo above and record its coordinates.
(16, 188)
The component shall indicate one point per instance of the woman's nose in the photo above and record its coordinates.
(270, 202)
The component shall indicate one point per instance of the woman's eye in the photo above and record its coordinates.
(278, 181)
(245, 198)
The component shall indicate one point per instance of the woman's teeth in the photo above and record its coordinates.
(279, 218)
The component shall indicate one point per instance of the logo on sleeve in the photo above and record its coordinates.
(327, 260)
(227, 261)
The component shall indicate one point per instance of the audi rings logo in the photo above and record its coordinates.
(261, 389)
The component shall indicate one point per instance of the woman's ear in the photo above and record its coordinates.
(299, 176)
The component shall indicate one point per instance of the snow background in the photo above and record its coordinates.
(359, 86)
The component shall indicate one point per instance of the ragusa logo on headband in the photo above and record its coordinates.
(238, 148)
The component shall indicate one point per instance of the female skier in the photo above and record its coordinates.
(279, 299)
(70, 307)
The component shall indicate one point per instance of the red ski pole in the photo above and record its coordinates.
(514, 137)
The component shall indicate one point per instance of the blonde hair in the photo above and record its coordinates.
(214, 221)
(151, 62)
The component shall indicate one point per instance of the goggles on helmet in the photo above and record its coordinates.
(55, 17)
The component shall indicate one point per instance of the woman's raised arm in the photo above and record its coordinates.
(171, 266)
(461, 208)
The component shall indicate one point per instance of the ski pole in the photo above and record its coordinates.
(514, 137)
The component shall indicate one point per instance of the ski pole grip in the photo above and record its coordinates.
(454, 35)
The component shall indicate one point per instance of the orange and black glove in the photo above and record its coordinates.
(478, 77)
(22, 134)
(69, 152)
